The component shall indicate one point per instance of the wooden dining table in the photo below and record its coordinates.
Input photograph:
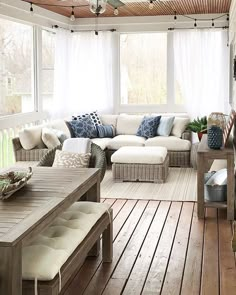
(29, 211)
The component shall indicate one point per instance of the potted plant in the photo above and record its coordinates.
(198, 126)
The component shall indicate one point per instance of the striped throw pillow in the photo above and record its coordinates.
(105, 131)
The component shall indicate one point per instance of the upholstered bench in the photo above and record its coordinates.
(140, 164)
(53, 257)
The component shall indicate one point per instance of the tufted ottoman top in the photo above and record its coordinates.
(140, 155)
(43, 258)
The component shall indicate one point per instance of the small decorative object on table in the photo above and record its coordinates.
(215, 125)
(198, 126)
(12, 181)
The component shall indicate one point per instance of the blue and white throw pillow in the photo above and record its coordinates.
(165, 126)
(83, 127)
(94, 117)
(105, 131)
(148, 127)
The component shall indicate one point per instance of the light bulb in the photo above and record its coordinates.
(151, 5)
(31, 9)
(72, 17)
(116, 11)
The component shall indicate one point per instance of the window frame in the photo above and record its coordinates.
(150, 108)
(13, 120)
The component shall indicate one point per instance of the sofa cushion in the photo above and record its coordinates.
(65, 159)
(102, 142)
(109, 120)
(165, 126)
(148, 127)
(31, 137)
(179, 126)
(128, 124)
(93, 115)
(125, 140)
(83, 127)
(139, 155)
(105, 131)
(172, 143)
(49, 137)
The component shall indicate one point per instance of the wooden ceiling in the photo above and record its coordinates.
(140, 8)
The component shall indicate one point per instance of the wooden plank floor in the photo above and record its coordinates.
(161, 247)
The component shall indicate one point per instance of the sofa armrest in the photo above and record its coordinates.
(26, 155)
(187, 135)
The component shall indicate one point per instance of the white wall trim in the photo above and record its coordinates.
(20, 10)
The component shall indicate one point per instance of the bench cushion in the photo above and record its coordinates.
(46, 254)
(140, 155)
(125, 140)
(172, 143)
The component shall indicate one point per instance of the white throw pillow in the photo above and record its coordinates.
(49, 137)
(219, 178)
(179, 126)
(31, 137)
(65, 159)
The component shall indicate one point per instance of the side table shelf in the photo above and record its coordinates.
(204, 155)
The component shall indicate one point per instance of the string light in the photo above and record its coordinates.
(175, 17)
(31, 8)
(195, 23)
(213, 24)
(116, 11)
(151, 5)
(227, 17)
(72, 17)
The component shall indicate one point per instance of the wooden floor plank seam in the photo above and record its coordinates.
(85, 291)
(114, 217)
(114, 238)
(154, 215)
(156, 247)
(128, 244)
(172, 244)
(200, 285)
(186, 252)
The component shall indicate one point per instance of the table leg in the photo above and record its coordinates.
(93, 195)
(200, 186)
(230, 187)
(11, 270)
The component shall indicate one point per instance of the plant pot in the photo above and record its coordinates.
(200, 134)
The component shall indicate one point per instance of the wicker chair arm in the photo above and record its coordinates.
(187, 135)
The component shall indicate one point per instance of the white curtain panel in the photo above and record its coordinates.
(202, 70)
(84, 73)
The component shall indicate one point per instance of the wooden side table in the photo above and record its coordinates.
(204, 155)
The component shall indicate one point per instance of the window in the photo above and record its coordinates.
(147, 72)
(48, 54)
(16, 68)
(143, 68)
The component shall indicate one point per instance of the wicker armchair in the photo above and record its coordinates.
(97, 160)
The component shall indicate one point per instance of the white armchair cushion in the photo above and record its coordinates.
(49, 138)
(125, 140)
(102, 142)
(172, 143)
(77, 145)
(31, 137)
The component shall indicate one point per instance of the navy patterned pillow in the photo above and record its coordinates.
(148, 127)
(106, 131)
(94, 117)
(83, 127)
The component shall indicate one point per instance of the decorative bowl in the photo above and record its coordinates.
(12, 181)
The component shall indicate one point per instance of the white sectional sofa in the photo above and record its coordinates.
(178, 143)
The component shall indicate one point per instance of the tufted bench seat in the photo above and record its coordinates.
(53, 257)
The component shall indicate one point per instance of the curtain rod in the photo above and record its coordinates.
(80, 31)
(197, 28)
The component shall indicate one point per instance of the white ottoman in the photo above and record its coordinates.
(132, 163)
